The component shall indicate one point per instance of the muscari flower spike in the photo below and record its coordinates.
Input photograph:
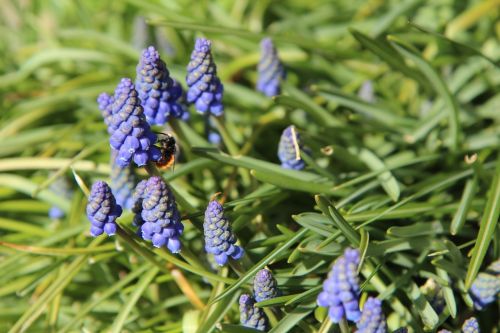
(122, 183)
(251, 316)
(159, 221)
(486, 286)
(341, 288)
(434, 295)
(366, 92)
(470, 326)
(158, 92)
(205, 89)
(131, 135)
(62, 188)
(105, 103)
(444, 331)
(372, 318)
(270, 69)
(219, 238)
(265, 286)
(289, 149)
(102, 210)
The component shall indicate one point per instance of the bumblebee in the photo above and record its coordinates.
(168, 149)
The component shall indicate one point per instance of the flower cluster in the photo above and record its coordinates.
(289, 149)
(270, 69)
(219, 238)
(159, 221)
(158, 92)
(122, 183)
(251, 316)
(265, 286)
(105, 103)
(470, 326)
(372, 318)
(62, 188)
(486, 286)
(102, 210)
(131, 135)
(341, 288)
(205, 88)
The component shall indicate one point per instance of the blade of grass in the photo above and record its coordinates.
(489, 222)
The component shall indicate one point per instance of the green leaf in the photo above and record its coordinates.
(388, 54)
(448, 293)
(272, 173)
(386, 178)
(438, 83)
(300, 100)
(127, 307)
(261, 264)
(229, 328)
(294, 317)
(489, 222)
(221, 308)
(377, 112)
(464, 207)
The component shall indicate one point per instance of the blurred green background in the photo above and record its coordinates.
(398, 157)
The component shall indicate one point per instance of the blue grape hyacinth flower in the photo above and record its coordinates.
(251, 316)
(486, 287)
(341, 288)
(265, 286)
(219, 238)
(372, 318)
(105, 103)
(160, 220)
(131, 135)
(102, 210)
(470, 326)
(269, 69)
(123, 182)
(205, 89)
(289, 149)
(158, 92)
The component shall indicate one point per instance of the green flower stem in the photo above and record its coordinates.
(327, 324)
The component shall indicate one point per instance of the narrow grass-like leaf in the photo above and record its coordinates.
(449, 298)
(139, 289)
(36, 309)
(388, 54)
(465, 204)
(386, 178)
(489, 222)
(54, 251)
(294, 317)
(261, 264)
(438, 84)
(221, 308)
(387, 119)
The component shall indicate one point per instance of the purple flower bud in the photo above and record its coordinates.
(62, 188)
(205, 89)
(122, 183)
(105, 102)
(251, 316)
(341, 288)
(289, 149)
(470, 326)
(132, 137)
(444, 331)
(270, 69)
(102, 210)
(434, 295)
(366, 92)
(265, 286)
(159, 221)
(372, 318)
(158, 92)
(486, 286)
(219, 238)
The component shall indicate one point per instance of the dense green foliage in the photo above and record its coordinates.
(412, 178)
